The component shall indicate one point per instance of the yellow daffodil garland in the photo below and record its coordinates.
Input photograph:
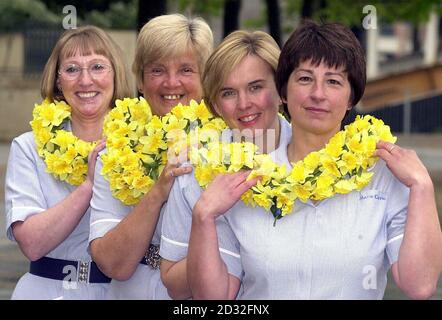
(65, 155)
(340, 167)
(139, 143)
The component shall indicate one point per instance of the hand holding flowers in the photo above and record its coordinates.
(340, 167)
(139, 145)
(404, 164)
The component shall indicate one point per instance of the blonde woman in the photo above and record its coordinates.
(170, 55)
(239, 86)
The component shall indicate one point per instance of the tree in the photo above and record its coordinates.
(83, 7)
(102, 13)
(273, 20)
(15, 15)
(119, 16)
(150, 9)
(231, 16)
(309, 7)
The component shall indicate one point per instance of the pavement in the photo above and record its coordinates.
(13, 264)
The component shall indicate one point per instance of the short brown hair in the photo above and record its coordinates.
(85, 40)
(331, 43)
(230, 52)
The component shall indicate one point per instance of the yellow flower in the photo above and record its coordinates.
(202, 112)
(155, 123)
(362, 123)
(83, 148)
(262, 200)
(215, 153)
(298, 173)
(140, 112)
(109, 162)
(56, 164)
(203, 175)
(139, 144)
(344, 186)
(42, 135)
(64, 154)
(171, 122)
(247, 198)
(340, 167)
(53, 114)
(302, 192)
(266, 168)
(334, 147)
(324, 181)
(312, 160)
(349, 161)
(152, 143)
(355, 144)
(362, 180)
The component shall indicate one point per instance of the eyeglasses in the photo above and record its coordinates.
(96, 71)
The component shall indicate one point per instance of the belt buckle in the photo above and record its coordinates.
(152, 256)
(83, 271)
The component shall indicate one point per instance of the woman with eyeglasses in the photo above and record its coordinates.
(124, 240)
(48, 217)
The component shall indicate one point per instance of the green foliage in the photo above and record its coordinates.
(292, 8)
(201, 7)
(411, 10)
(119, 16)
(83, 6)
(258, 22)
(14, 14)
(350, 12)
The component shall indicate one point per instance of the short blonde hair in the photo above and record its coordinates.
(235, 47)
(172, 35)
(85, 40)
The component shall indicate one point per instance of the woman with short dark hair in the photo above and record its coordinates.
(337, 246)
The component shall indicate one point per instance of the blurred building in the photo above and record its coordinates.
(404, 68)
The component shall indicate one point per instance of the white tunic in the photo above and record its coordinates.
(30, 190)
(177, 218)
(106, 213)
(339, 248)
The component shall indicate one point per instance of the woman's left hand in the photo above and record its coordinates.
(167, 177)
(403, 163)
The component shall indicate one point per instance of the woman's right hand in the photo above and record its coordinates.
(92, 160)
(222, 193)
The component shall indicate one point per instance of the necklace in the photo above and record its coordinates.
(65, 155)
(339, 168)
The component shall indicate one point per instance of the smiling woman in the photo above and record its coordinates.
(239, 86)
(324, 249)
(171, 52)
(47, 214)
(170, 57)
